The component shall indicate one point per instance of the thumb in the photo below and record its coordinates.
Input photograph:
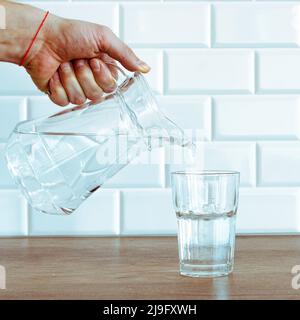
(119, 51)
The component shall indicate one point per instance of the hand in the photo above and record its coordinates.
(80, 79)
(68, 57)
(71, 63)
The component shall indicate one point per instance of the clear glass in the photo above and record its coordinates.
(206, 204)
(59, 161)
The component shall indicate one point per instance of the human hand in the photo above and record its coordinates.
(71, 63)
(68, 57)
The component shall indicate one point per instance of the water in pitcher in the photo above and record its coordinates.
(64, 169)
(58, 161)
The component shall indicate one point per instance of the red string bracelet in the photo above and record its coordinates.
(33, 39)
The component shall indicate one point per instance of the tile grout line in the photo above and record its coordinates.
(212, 119)
(161, 76)
(257, 165)
(255, 73)
(164, 72)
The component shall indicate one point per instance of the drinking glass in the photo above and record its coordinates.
(206, 204)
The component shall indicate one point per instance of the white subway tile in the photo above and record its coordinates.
(12, 110)
(146, 171)
(256, 117)
(15, 81)
(278, 71)
(92, 11)
(98, 215)
(41, 107)
(147, 212)
(210, 71)
(166, 24)
(6, 180)
(236, 156)
(13, 214)
(256, 24)
(189, 113)
(154, 58)
(279, 163)
(268, 210)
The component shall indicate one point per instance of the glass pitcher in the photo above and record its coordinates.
(59, 161)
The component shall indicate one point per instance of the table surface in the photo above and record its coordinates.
(142, 268)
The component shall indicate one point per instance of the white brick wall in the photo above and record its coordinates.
(165, 24)
(278, 71)
(256, 24)
(209, 71)
(230, 69)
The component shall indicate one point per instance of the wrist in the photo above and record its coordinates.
(22, 22)
(51, 35)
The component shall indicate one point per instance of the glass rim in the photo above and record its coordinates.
(206, 173)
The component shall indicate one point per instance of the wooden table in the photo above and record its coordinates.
(142, 268)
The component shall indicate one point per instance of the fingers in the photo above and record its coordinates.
(86, 79)
(118, 50)
(110, 63)
(57, 92)
(102, 75)
(80, 79)
(71, 85)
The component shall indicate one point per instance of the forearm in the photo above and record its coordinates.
(22, 22)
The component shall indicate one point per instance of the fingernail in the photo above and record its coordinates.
(79, 100)
(95, 64)
(143, 67)
(113, 84)
(113, 81)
